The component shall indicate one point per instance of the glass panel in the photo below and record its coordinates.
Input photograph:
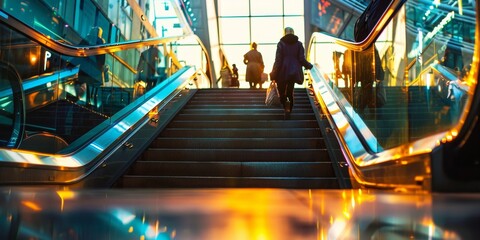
(268, 54)
(440, 52)
(272, 25)
(168, 27)
(165, 19)
(233, 8)
(423, 64)
(330, 18)
(298, 25)
(68, 100)
(293, 7)
(266, 16)
(7, 112)
(265, 8)
(235, 56)
(189, 52)
(234, 30)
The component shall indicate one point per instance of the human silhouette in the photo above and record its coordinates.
(234, 80)
(287, 68)
(147, 66)
(92, 69)
(368, 70)
(255, 66)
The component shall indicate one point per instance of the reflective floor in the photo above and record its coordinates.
(259, 214)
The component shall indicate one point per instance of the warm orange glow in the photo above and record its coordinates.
(321, 232)
(33, 59)
(352, 201)
(454, 132)
(66, 194)
(31, 205)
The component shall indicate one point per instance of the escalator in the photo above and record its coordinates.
(64, 118)
(230, 138)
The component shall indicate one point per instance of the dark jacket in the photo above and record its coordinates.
(289, 59)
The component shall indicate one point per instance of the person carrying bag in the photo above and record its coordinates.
(287, 69)
(273, 96)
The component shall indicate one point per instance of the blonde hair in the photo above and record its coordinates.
(95, 32)
(289, 30)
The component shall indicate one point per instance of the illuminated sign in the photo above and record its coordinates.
(327, 16)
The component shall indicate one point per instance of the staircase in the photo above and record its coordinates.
(229, 138)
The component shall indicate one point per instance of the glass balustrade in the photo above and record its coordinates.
(422, 58)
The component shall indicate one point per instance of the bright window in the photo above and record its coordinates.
(234, 31)
(233, 8)
(264, 8)
(244, 21)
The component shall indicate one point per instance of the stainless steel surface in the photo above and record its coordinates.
(102, 141)
(237, 214)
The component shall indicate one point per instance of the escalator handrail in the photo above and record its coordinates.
(415, 153)
(387, 16)
(85, 51)
(18, 111)
(88, 156)
(352, 137)
(82, 51)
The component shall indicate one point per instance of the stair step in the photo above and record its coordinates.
(240, 155)
(253, 117)
(233, 169)
(230, 138)
(239, 143)
(309, 123)
(242, 133)
(226, 182)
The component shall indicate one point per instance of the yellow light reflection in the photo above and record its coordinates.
(337, 229)
(254, 217)
(67, 161)
(31, 205)
(33, 59)
(449, 137)
(321, 233)
(153, 112)
(431, 231)
(65, 195)
(454, 132)
(310, 203)
(352, 201)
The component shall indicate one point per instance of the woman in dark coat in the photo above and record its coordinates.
(287, 68)
(254, 61)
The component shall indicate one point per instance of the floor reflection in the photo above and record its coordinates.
(236, 214)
